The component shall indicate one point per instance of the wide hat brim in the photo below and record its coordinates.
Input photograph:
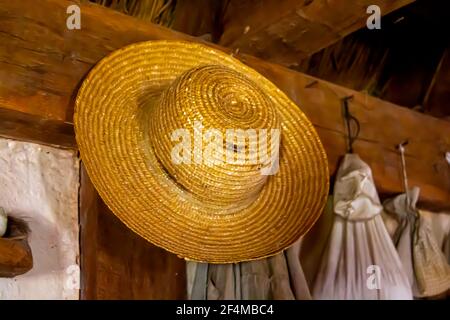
(110, 135)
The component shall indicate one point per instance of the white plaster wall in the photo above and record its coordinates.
(40, 185)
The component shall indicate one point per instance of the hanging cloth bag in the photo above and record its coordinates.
(428, 270)
(360, 260)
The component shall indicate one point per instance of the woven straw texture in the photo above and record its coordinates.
(127, 109)
(421, 255)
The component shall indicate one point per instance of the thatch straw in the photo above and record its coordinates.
(155, 11)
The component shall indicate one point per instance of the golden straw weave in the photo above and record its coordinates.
(127, 109)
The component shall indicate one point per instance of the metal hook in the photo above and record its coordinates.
(349, 118)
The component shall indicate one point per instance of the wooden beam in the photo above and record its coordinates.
(15, 258)
(42, 62)
(437, 99)
(15, 252)
(383, 126)
(26, 127)
(287, 31)
(28, 30)
(88, 214)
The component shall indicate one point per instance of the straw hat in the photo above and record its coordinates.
(127, 111)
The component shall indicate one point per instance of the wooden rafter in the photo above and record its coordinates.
(437, 99)
(287, 31)
(27, 127)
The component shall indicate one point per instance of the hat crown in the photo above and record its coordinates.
(213, 131)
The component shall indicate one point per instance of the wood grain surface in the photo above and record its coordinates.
(118, 264)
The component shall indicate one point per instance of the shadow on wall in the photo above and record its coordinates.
(40, 185)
